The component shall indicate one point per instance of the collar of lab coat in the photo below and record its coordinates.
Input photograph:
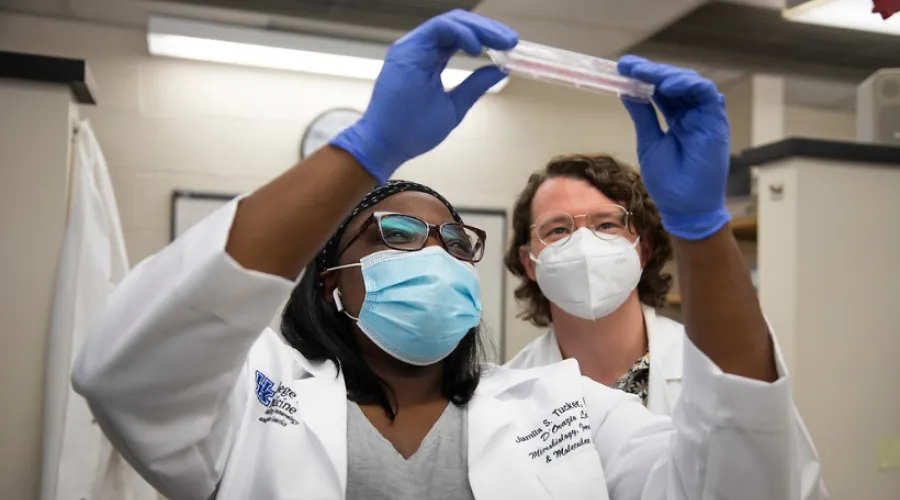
(664, 336)
(666, 344)
(321, 387)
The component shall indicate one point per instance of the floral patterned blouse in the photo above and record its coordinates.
(637, 379)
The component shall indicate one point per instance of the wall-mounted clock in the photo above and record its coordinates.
(324, 127)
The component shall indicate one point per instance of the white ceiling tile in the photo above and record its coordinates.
(600, 27)
(604, 28)
(602, 43)
(769, 4)
(723, 77)
(133, 13)
(46, 7)
(333, 29)
(703, 69)
(632, 14)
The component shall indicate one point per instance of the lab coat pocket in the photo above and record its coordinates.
(578, 476)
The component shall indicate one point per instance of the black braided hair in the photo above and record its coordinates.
(328, 254)
(314, 327)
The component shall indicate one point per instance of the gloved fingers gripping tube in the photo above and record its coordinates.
(570, 69)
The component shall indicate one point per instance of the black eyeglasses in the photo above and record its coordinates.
(409, 233)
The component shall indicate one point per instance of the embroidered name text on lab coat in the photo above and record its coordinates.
(563, 431)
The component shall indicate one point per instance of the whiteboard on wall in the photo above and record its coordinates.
(190, 207)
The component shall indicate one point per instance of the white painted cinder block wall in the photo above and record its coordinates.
(799, 121)
(168, 124)
(820, 123)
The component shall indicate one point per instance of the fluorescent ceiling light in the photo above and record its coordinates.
(259, 48)
(849, 14)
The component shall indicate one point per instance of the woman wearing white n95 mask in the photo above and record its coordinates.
(374, 390)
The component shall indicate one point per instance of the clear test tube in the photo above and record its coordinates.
(571, 69)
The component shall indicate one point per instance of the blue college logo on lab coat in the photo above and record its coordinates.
(265, 388)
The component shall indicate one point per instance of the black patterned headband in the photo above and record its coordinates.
(329, 251)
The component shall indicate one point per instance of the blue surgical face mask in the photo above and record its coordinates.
(419, 305)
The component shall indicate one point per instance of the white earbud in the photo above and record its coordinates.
(336, 295)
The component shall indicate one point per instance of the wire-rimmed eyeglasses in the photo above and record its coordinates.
(606, 222)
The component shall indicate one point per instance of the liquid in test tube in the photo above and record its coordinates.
(571, 69)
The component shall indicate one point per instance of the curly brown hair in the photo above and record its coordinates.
(620, 183)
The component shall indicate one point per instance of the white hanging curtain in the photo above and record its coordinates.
(78, 461)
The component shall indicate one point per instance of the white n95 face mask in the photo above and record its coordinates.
(587, 276)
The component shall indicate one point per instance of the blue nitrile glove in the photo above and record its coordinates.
(685, 169)
(410, 113)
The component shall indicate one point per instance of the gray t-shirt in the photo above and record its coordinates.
(438, 470)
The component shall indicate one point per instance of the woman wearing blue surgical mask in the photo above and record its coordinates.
(393, 298)
(374, 388)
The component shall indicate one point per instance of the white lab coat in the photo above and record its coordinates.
(666, 340)
(78, 461)
(194, 389)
